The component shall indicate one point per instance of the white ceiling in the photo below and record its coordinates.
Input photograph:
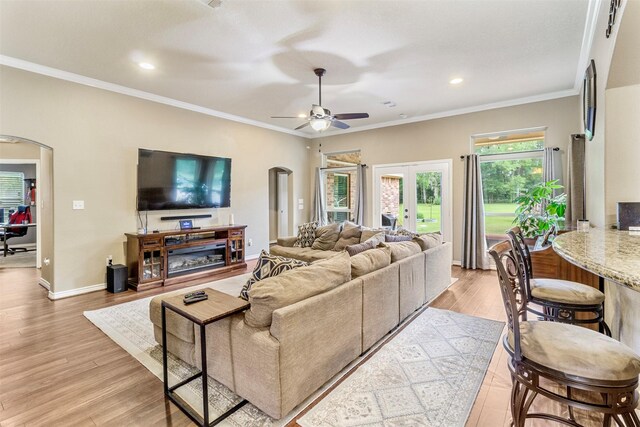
(255, 58)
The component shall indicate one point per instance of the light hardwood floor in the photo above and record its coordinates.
(57, 369)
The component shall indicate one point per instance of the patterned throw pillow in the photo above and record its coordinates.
(397, 238)
(306, 235)
(269, 266)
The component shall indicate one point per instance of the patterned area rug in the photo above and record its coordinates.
(441, 357)
(427, 375)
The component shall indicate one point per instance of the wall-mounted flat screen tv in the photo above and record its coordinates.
(182, 181)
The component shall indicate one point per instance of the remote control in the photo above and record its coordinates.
(193, 294)
(195, 299)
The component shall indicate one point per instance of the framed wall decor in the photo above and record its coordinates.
(589, 100)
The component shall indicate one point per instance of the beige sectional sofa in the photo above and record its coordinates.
(279, 352)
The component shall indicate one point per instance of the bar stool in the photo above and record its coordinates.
(572, 357)
(560, 300)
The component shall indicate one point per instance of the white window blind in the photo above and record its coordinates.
(11, 190)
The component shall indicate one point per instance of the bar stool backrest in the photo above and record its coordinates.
(510, 281)
(523, 256)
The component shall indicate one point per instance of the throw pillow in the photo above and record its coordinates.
(368, 233)
(361, 247)
(378, 238)
(326, 237)
(296, 285)
(428, 240)
(397, 238)
(404, 232)
(350, 235)
(368, 261)
(269, 266)
(306, 235)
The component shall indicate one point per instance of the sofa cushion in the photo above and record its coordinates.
(361, 247)
(295, 285)
(396, 238)
(371, 260)
(401, 250)
(303, 254)
(326, 237)
(306, 235)
(269, 266)
(177, 325)
(350, 235)
(428, 240)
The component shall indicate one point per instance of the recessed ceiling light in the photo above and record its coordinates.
(302, 115)
(146, 66)
(389, 104)
(456, 81)
(403, 116)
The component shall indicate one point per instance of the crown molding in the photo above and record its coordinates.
(457, 112)
(112, 87)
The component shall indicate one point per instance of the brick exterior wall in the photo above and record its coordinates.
(390, 195)
(352, 191)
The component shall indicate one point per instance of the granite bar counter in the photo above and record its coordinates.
(611, 254)
(615, 257)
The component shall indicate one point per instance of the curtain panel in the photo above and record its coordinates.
(358, 208)
(319, 213)
(474, 245)
(575, 187)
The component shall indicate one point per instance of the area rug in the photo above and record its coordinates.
(452, 339)
(427, 375)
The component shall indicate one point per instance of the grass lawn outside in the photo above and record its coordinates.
(432, 221)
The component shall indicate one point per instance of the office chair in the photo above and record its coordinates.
(23, 214)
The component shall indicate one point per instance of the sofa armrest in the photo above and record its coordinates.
(438, 269)
(287, 242)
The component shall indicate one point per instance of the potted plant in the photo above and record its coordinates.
(539, 210)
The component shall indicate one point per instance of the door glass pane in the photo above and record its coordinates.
(392, 200)
(428, 202)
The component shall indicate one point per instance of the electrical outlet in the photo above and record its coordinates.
(109, 260)
(250, 242)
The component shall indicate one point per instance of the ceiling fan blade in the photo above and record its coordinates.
(302, 126)
(340, 125)
(317, 110)
(351, 116)
(285, 117)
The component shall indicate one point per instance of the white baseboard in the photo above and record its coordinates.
(456, 262)
(42, 282)
(78, 291)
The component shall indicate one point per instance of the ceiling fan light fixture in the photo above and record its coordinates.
(320, 124)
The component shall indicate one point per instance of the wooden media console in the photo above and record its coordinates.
(176, 256)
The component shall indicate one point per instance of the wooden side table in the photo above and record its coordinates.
(218, 306)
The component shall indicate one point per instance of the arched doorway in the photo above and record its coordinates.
(31, 162)
(280, 203)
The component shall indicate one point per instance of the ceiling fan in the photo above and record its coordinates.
(319, 117)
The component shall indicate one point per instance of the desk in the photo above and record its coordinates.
(614, 256)
(4, 227)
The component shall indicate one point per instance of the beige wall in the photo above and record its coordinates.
(622, 177)
(19, 150)
(95, 135)
(448, 138)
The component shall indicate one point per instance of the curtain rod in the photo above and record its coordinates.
(364, 165)
(517, 152)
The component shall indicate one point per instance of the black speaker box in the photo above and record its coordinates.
(117, 278)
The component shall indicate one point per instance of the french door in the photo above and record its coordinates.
(415, 196)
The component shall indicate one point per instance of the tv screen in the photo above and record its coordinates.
(182, 181)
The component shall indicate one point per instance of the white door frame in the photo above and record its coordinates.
(282, 203)
(410, 169)
(38, 200)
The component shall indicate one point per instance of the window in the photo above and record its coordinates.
(510, 164)
(339, 174)
(11, 193)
